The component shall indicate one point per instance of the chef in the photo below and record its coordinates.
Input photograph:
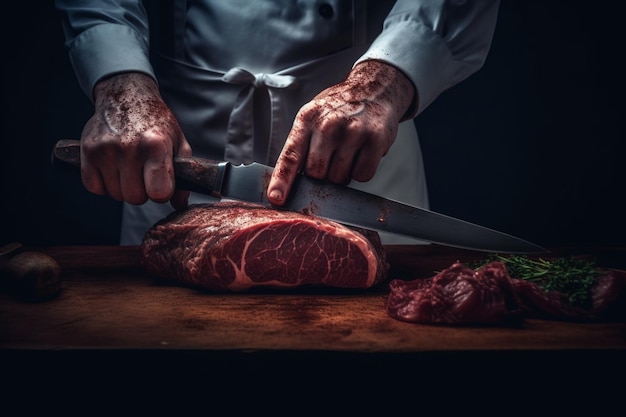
(328, 88)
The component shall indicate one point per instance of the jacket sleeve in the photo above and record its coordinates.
(436, 43)
(105, 38)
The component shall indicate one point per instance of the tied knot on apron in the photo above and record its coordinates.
(243, 77)
(246, 140)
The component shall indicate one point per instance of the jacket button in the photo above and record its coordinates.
(326, 10)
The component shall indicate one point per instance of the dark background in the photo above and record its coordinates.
(530, 145)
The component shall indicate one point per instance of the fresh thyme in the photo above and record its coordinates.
(573, 277)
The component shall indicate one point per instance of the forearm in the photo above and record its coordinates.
(105, 38)
(435, 43)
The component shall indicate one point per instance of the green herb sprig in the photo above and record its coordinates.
(573, 277)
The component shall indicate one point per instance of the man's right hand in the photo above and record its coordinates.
(128, 145)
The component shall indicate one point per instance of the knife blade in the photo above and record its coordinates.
(330, 201)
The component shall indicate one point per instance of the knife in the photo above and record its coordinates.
(330, 201)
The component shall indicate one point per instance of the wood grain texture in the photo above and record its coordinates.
(108, 302)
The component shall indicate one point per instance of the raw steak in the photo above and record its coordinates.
(608, 296)
(461, 295)
(235, 246)
(457, 295)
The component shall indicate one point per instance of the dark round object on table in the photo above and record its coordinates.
(34, 276)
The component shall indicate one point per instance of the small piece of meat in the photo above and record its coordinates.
(457, 295)
(608, 296)
(236, 246)
(461, 295)
(539, 303)
(608, 300)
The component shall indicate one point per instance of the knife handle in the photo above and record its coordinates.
(66, 153)
(192, 173)
(200, 175)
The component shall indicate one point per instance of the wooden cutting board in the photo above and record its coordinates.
(108, 302)
(114, 329)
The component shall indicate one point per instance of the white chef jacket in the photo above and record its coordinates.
(235, 72)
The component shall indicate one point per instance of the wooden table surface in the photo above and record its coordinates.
(109, 306)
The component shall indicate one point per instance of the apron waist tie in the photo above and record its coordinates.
(244, 124)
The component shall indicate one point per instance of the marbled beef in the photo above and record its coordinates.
(235, 246)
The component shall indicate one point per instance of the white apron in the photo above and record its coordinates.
(236, 96)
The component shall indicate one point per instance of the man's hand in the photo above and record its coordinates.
(343, 133)
(127, 146)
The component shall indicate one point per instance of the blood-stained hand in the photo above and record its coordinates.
(343, 133)
(128, 145)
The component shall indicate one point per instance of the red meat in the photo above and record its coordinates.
(235, 246)
(461, 295)
(457, 295)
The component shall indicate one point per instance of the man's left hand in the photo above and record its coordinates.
(344, 132)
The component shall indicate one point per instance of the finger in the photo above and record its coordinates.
(340, 169)
(111, 180)
(289, 163)
(366, 161)
(180, 199)
(365, 165)
(107, 164)
(342, 162)
(91, 177)
(158, 175)
(100, 166)
(132, 183)
(333, 144)
(320, 153)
